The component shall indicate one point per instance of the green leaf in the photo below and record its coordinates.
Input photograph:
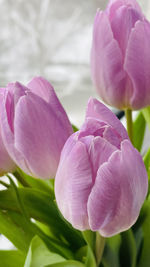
(46, 186)
(42, 208)
(147, 162)
(51, 243)
(128, 249)
(147, 166)
(139, 126)
(146, 114)
(90, 258)
(111, 252)
(67, 264)
(138, 234)
(39, 255)
(144, 260)
(13, 226)
(81, 254)
(11, 258)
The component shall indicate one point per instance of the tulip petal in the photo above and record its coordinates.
(137, 64)
(19, 90)
(37, 135)
(92, 127)
(71, 141)
(99, 152)
(108, 75)
(126, 18)
(115, 4)
(44, 89)
(73, 184)
(6, 163)
(7, 111)
(119, 192)
(99, 111)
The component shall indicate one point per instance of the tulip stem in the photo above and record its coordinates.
(4, 184)
(128, 113)
(20, 179)
(100, 244)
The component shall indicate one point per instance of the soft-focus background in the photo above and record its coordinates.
(51, 38)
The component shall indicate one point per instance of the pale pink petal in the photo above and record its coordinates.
(99, 152)
(137, 64)
(119, 192)
(99, 111)
(126, 18)
(115, 4)
(44, 89)
(6, 163)
(37, 135)
(112, 136)
(108, 75)
(71, 141)
(92, 126)
(73, 184)
(7, 130)
(19, 90)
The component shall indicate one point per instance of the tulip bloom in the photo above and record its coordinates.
(34, 127)
(101, 181)
(120, 58)
(6, 163)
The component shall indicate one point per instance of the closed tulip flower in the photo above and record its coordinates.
(120, 58)
(101, 181)
(34, 127)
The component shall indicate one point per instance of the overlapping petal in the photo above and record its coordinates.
(73, 183)
(99, 111)
(101, 181)
(33, 137)
(34, 126)
(118, 192)
(7, 129)
(6, 163)
(107, 70)
(122, 33)
(137, 64)
(120, 61)
(114, 5)
(42, 88)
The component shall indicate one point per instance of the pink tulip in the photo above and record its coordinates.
(6, 163)
(34, 127)
(120, 58)
(101, 181)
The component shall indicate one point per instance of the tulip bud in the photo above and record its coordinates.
(120, 58)
(34, 127)
(101, 181)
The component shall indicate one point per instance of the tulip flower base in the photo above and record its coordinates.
(80, 197)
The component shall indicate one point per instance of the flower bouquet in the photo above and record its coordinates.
(80, 197)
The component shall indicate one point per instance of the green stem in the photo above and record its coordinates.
(4, 184)
(21, 179)
(100, 244)
(128, 113)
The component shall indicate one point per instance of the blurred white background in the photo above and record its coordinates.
(51, 38)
